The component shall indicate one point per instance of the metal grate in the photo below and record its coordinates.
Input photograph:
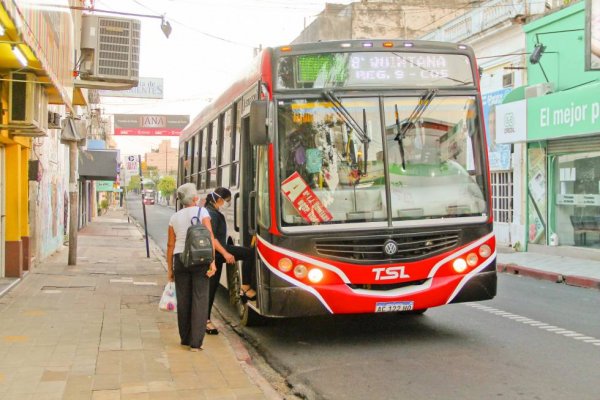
(411, 246)
(502, 196)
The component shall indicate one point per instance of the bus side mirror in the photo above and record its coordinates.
(259, 114)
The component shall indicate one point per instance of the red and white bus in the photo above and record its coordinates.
(360, 173)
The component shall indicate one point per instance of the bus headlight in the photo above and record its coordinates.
(472, 259)
(315, 275)
(485, 251)
(459, 265)
(285, 264)
(300, 271)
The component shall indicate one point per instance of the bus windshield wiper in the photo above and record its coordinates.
(347, 117)
(416, 113)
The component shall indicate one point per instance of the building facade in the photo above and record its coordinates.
(557, 118)
(164, 159)
(37, 45)
(375, 19)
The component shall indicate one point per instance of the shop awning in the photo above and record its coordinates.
(516, 94)
(98, 165)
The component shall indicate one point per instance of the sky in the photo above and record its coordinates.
(210, 44)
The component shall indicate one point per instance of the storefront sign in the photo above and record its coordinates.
(147, 88)
(578, 199)
(104, 186)
(499, 153)
(568, 113)
(304, 200)
(592, 35)
(511, 122)
(149, 125)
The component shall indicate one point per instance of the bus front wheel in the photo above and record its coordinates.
(249, 317)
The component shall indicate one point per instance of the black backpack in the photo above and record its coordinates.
(198, 249)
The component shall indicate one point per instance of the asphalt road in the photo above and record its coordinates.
(535, 340)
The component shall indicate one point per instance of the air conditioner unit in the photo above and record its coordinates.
(27, 105)
(53, 120)
(110, 49)
(540, 89)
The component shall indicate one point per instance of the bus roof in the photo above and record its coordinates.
(256, 70)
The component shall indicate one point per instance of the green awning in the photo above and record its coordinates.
(516, 94)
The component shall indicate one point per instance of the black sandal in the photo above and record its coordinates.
(212, 331)
(244, 296)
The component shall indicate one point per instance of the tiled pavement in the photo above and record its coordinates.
(93, 331)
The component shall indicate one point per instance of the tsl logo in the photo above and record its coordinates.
(385, 274)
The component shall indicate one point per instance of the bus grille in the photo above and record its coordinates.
(410, 246)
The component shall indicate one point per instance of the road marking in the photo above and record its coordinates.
(537, 324)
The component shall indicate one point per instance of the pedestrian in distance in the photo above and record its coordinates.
(226, 253)
(191, 285)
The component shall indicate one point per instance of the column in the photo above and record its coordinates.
(24, 207)
(14, 250)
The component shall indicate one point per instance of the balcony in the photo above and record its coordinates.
(484, 17)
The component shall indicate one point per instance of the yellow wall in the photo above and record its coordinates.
(24, 199)
(13, 192)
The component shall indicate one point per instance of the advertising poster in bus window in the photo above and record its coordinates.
(304, 200)
(537, 199)
(499, 154)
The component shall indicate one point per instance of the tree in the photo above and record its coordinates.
(134, 183)
(166, 186)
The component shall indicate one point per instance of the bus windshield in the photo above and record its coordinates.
(425, 157)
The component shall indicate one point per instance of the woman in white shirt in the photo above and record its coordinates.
(191, 285)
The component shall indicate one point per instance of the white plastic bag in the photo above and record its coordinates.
(168, 301)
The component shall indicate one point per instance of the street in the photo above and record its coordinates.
(535, 340)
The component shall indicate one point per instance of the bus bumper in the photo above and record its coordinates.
(285, 300)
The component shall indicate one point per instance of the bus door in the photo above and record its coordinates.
(246, 195)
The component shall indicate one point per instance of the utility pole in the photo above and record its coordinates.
(144, 207)
(74, 202)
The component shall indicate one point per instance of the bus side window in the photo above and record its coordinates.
(226, 150)
(235, 144)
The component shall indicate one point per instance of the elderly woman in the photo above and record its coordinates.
(191, 285)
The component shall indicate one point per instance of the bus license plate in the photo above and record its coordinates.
(394, 306)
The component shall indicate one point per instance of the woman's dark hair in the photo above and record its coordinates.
(219, 192)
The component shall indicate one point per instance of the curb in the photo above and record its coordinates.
(10, 286)
(571, 280)
(242, 354)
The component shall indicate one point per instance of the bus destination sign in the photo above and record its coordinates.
(360, 69)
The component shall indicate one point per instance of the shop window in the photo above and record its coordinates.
(502, 196)
(577, 194)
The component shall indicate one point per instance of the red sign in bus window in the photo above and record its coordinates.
(304, 200)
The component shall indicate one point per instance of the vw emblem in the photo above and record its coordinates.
(390, 247)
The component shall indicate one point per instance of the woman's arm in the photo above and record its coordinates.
(213, 267)
(170, 248)
(229, 258)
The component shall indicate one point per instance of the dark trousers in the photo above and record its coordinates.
(191, 289)
(244, 254)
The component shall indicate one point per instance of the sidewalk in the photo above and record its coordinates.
(94, 331)
(568, 270)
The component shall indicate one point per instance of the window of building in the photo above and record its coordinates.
(502, 196)
(577, 194)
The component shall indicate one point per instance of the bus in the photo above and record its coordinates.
(360, 174)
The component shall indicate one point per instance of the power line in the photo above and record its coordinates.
(197, 30)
